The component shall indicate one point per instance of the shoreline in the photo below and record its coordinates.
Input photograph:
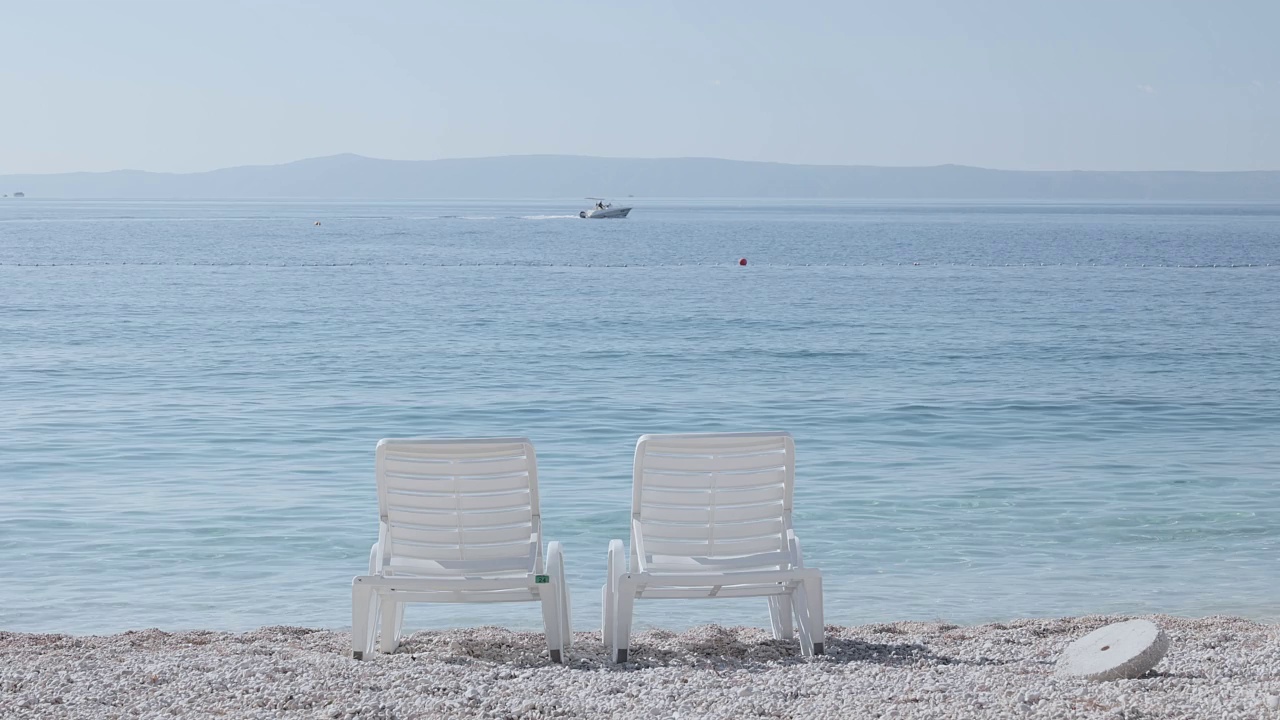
(1216, 667)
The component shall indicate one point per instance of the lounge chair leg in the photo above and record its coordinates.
(363, 619)
(800, 606)
(566, 615)
(817, 631)
(807, 600)
(555, 567)
(552, 594)
(392, 620)
(614, 568)
(551, 620)
(780, 617)
(624, 605)
(606, 617)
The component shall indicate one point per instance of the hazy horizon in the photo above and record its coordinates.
(613, 157)
(202, 85)
(511, 176)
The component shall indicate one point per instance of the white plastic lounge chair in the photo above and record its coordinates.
(459, 522)
(711, 517)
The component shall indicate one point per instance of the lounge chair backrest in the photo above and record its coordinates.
(453, 507)
(704, 501)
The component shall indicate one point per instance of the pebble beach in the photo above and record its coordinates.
(1216, 667)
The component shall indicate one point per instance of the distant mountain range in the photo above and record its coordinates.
(561, 176)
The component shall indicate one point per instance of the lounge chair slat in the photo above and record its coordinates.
(469, 502)
(682, 497)
(707, 481)
(417, 551)
(433, 519)
(499, 566)
(460, 536)
(414, 534)
(743, 513)
(702, 514)
(751, 495)
(445, 451)
(769, 527)
(711, 443)
(710, 550)
(714, 463)
(486, 552)
(705, 498)
(462, 486)
(486, 536)
(683, 564)
(459, 468)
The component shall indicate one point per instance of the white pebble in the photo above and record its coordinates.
(900, 670)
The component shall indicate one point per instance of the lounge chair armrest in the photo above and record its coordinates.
(637, 544)
(617, 563)
(555, 552)
(378, 553)
(539, 557)
(793, 543)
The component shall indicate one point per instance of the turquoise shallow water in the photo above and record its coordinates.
(1062, 409)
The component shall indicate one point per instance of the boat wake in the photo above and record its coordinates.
(455, 217)
(492, 217)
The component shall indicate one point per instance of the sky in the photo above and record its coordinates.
(191, 85)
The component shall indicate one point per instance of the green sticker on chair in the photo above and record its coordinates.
(542, 579)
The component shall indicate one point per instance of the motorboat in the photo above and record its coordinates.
(603, 210)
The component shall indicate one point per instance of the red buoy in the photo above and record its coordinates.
(743, 261)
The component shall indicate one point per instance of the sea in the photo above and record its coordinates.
(1001, 410)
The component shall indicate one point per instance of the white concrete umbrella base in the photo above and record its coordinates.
(1121, 651)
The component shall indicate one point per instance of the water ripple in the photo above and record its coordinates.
(190, 443)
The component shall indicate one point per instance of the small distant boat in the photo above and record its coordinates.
(604, 210)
